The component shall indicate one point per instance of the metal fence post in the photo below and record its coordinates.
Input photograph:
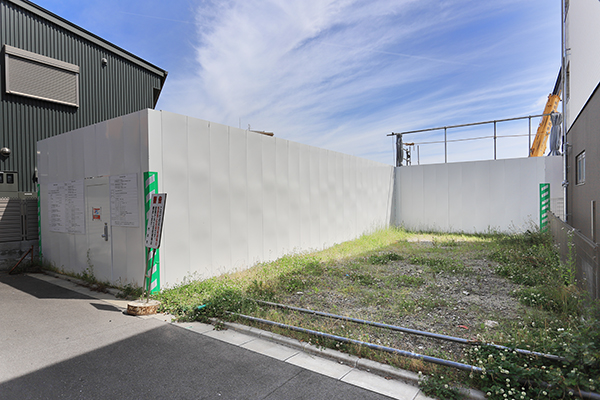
(446, 145)
(529, 148)
(494, 140)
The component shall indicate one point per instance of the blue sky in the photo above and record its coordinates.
(343, 74)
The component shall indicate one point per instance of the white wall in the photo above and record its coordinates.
(475, 196)
(92, 154)
(234, 197)
(583, 54)
(237, 197)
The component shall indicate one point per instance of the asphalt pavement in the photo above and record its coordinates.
(62, 341)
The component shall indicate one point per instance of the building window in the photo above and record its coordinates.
(40, 77)
(580, 168)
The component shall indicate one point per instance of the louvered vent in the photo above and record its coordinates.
(40, 77)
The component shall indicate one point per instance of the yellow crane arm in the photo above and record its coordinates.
(541, 137)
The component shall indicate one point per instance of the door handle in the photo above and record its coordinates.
(105, 236)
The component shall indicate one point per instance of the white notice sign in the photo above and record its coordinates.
(155, 220)
(66, 207)
(124, 202)
(56, 207)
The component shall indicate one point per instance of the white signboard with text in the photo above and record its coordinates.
(155, 220)
(66, 207)
(124, 202)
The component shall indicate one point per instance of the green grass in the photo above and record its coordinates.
(392, 276)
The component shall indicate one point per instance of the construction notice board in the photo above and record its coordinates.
(155, 220)
(66, 207)
(124, 200)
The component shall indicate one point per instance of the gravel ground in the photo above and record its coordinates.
(468, 302)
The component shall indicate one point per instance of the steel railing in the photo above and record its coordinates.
(495, 137)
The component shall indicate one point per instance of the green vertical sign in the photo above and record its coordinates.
(150, 188)
(544, 206)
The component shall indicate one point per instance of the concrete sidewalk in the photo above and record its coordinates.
(60, 340)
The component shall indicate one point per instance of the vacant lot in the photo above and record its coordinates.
(510, 290)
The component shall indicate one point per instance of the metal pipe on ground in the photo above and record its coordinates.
(341, 339)
(403, 353)
(410, 331)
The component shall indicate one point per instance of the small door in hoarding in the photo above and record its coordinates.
(98, 228)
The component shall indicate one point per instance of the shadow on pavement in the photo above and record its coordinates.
(39, 289)
(171, 363)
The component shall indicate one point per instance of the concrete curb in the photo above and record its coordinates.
(371, 366)
(79, 282)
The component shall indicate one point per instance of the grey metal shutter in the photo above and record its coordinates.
(31, 219)
(10, 219)
(40, 77)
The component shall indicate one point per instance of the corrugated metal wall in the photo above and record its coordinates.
(121, 87)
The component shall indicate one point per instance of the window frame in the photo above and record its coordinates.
(580, 168)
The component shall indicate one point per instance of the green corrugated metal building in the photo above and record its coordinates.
(56, 77)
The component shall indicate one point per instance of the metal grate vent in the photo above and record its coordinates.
(44, 78)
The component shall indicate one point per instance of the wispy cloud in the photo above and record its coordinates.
(341, 74)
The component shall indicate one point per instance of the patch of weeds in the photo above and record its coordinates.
(440, 387)
(529, 259)
(362, 279)
(374, 241)
(406, 280)
(445, 242)
(383, 258)
(509, 374)
(201, 300)
(405, 306)
(429, 303)
(559, 299)
(575, 338)
(259, 289)
(293, 283)
(439, 264)
(219, 326)
(130, 291)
